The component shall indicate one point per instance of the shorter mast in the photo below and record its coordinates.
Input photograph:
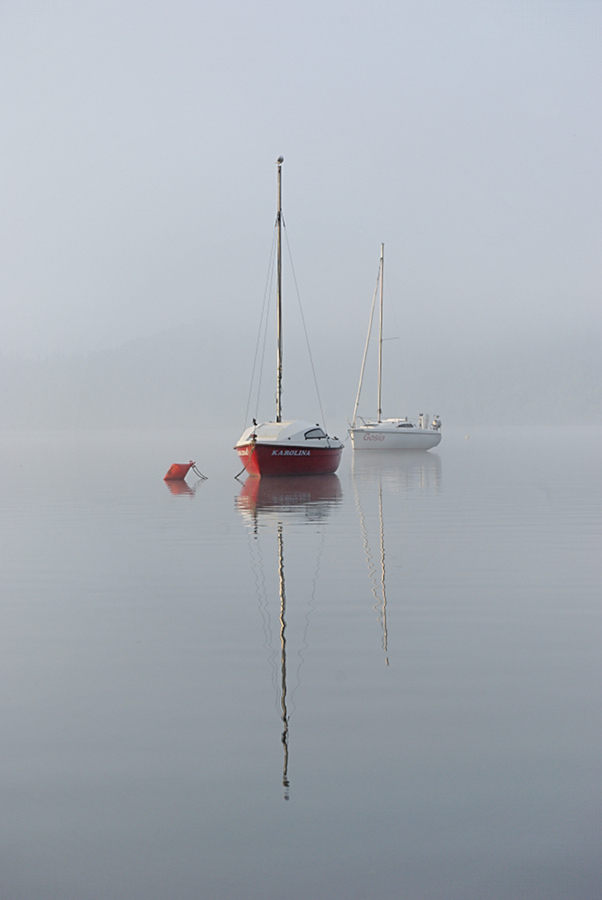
(359, 387)
(380, 336)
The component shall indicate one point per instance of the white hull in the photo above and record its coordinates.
(385, 436)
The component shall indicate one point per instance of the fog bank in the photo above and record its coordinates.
(189, 377)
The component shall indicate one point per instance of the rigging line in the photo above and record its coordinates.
(305, 328)
(263, 327)
(268, 292)
(399, 380)
(311, 605)
(261, 591)
(359, 387)
(265, 315)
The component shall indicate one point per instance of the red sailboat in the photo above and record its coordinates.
(286, 447)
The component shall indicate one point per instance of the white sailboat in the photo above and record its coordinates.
(388, 433)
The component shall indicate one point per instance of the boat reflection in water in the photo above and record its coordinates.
(295, 497)
(389, 473)
(180, 488)
(401, 472)
(275, 504)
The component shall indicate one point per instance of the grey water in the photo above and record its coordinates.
(380, 684)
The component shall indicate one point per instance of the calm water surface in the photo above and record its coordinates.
(381, 684)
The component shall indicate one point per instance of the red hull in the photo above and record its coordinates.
(275, 459)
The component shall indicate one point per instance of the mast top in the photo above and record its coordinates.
(280, 160)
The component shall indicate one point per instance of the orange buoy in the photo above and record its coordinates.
(178, 471)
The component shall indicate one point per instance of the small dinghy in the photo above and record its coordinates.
(179, 471)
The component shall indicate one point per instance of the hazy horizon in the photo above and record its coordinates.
(139, 185)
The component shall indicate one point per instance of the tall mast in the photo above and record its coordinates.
(279, 297)
(380, 336)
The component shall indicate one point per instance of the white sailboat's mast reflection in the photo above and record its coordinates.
(398, 472)
(379, 591)
(382, 571)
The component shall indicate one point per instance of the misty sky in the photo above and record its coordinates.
(138, 175)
